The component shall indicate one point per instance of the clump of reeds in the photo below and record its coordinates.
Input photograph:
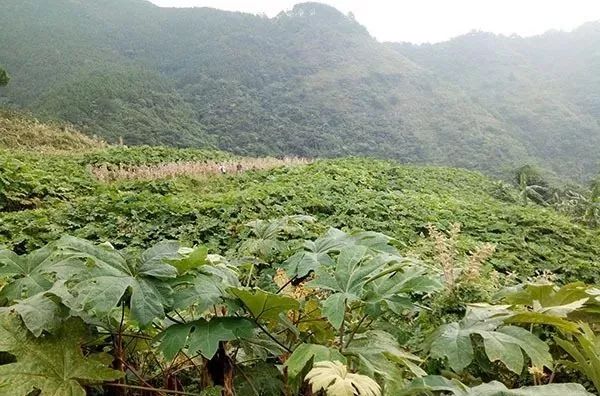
(197, 169)
(454, 268)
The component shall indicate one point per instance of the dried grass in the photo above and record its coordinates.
(458, 269)
(22, 132)
(196, 169)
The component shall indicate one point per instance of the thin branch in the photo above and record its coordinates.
(355, 330)
(248, 380)
(172, 319)
(272, 336)
(138, 376)
(173, 392)
(286, 285)
(140, 336)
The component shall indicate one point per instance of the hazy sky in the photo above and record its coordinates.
(434, 20)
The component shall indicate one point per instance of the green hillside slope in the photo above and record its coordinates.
(310, 81)
(544, 87)
(46, 196)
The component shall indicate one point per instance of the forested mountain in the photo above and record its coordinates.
(310, 81)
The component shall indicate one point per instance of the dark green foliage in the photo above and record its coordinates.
(28, 181)
(147, 155)
(352, 194)
(3, 77)
(310, 81)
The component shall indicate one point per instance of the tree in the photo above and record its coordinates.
(4, 78)
(532, 185)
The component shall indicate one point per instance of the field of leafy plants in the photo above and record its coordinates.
(338, 277)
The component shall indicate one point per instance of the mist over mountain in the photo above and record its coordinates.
(310, 82)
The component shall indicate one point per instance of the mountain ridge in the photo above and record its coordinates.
(310, 81)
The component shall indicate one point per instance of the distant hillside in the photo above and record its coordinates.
(310, 81)
(547, 88)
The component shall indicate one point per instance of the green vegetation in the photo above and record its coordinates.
(355, 277)
(26, 133)
(171, 267)
(309, 82)
(172, 318)
(3, 77)
(350, 194)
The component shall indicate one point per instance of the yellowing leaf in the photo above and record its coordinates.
(335, 380)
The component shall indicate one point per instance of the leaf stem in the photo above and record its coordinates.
(248, 380)
(355, 330)
(172, 319)
(395, 268)
(146, 388)
(285, 285)
(272, 336)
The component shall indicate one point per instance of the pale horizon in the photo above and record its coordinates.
(431, 21)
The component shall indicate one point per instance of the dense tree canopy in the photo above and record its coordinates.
(310, 81)
(3, 77)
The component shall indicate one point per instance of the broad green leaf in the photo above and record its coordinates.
(204, 287)
(429, 384)
(346, 282)
(334, 308)
(536, 349)
(453, 343)
(307, 353)
(40, 313)
(542, 318)
(99, 278)
(316, 253)
(373, 345)
(152, 261)
(203, 291)
(375, 241)
(499, 347)
(202, 336)
(191, 260)
(263, 305)
(393, 291)
(549, 299)
(26, 274)
(174, 339)
(302, 263)
(53, 364)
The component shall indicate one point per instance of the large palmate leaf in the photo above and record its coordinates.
(443, 386)
(263, 305)
(40, 313)
(54, 364)
(202, 336)
(310, 353)
(548, 298)
(26, 274)
(547, 304)
(264, 240)
(501, 343)
(205, 286)
(346, 282)
(334, 379)
(380, 353)
(394, 291)
(99, 277)
(317, 253)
